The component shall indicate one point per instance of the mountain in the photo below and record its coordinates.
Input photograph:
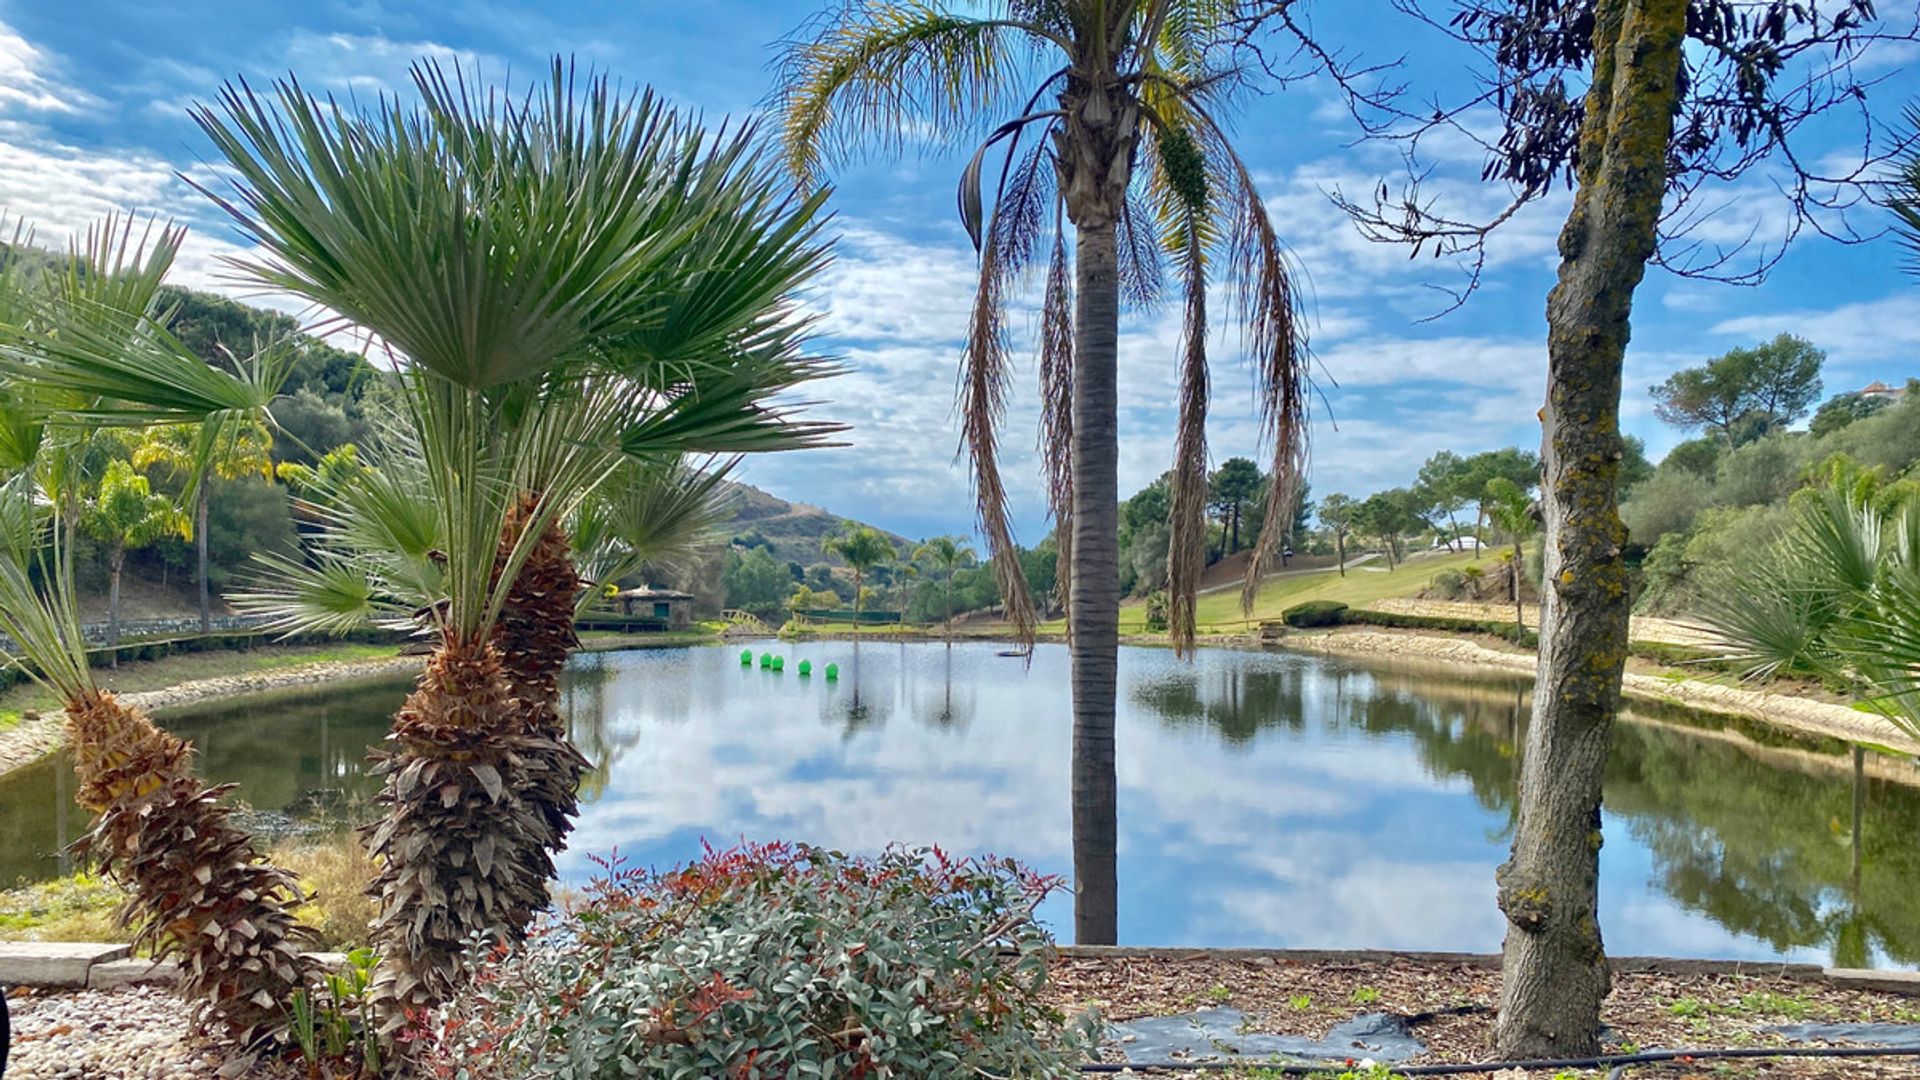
(792, 531)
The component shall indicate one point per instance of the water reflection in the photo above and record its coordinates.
(1265, 799)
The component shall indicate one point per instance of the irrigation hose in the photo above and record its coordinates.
(1616, 1062)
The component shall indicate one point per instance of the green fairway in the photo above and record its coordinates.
(1219, 612)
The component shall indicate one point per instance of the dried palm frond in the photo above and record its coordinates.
(1187, 546)
(1056, 408)
(983, 390)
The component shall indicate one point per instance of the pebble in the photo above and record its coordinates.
(136, 1033)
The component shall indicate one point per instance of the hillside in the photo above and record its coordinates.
(793, 530)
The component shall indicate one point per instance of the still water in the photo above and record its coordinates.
(1265, 798)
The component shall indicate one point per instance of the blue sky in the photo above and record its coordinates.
(93, 97)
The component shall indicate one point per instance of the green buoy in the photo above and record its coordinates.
(766, 660)
(833, 672)
(779, 663)
(806, 668)
(746, 657)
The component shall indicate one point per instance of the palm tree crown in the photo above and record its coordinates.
(1135, 87)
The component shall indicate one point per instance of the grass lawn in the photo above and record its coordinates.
(1219, 612)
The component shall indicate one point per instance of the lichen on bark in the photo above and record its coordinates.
(1555, 971)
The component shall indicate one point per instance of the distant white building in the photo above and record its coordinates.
(1878, 389)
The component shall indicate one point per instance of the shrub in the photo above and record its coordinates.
(1315, 613)
(1157, 612)
(773, 961)
(1449, 585)
(335, 873)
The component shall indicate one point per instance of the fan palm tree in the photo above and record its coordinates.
(1109, 118)
(946, 552)
(1838, 595)
(548, 270)
(125, 515)
(92, 352)
(863, 548)
(228, 451)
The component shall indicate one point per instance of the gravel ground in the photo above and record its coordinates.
(1453, 1006)
(136, 1033)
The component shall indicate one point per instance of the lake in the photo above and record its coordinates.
(1266, 799)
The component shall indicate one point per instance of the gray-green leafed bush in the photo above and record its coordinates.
(774, 961)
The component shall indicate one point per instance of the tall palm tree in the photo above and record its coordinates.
(946, 552)
(228, 451)
(545, 268)
(125, 515)
(94, 353)
(863, 548)
(1088, 96)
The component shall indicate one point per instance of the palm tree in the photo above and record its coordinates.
(547, 269)
(1137, 88)
(125, 515)
(863, 548)
(947, 552)
(93, 352)
(1837, 596)
(1513, 513)
(228, 451)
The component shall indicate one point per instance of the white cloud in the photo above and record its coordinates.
(1869, 330)
(26, 80)
(370, 64)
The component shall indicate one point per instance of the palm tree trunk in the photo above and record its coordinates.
(116, 561)
(199, 889)
(534, 635)
(1340, 547)
(200, 555)
(1094, 605)
(949, 622)
(453, 824)
(1555, 974)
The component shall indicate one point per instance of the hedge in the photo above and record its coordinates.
(1316, 613)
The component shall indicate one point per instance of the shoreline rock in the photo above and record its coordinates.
(40, 734)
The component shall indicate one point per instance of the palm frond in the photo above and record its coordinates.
(484, 235)
(1056, 408)
(1187, 546)
(882, 75)
(42, 622)
(1905, 200)
(985, 373)
(1274, 336)
(327, 595)
(649, 514)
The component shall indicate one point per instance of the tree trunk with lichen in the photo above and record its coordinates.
(199, 890)
(1554, 974)
(1094, 146)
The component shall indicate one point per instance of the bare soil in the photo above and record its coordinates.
(1452, 1007)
